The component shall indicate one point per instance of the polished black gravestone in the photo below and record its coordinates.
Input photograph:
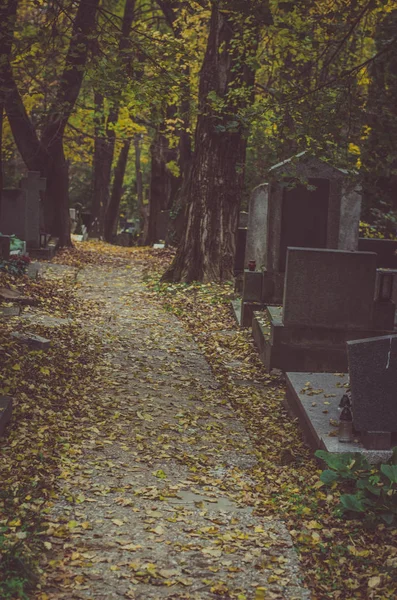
(373, 381)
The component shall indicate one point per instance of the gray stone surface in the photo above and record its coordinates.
(373, 379)
(13, 213)
(350, 210)
(255, 248)
(252, 286)
(33, 184)
(20, 210)
(314, 399)
(32, 340)
(162, 223)
(243, 219)
(339, 217)
(329, 288)
(9, 311)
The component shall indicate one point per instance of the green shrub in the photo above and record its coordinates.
(370, 491)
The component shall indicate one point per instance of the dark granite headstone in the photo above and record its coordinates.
(373, 381)
(329, 288)
(20, 209)
(162, 223)
(243, 218)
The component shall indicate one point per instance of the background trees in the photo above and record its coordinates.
(89, 86)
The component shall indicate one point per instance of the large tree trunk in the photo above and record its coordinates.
(46, 155)
(101, 166)
(163, 183)
(214, 188)
(8, 12)
(379, 149)
(117, 189)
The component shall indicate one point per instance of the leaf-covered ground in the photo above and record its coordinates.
(128, 471)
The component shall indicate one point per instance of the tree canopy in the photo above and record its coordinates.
(137, 106)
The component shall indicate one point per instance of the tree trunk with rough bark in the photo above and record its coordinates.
(163, 183)
(46, 154)
(101, 166)
(117, 189)
(8, 12)
(214, 187)
(103, 172)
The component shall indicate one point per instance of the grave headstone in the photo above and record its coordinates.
(256, 243)
(20, 210)
(243, 218)
(329, 288)
(329, 298)
(162, 223)
(32, 340)
(309, 204)
(373, 383)
(33, 184)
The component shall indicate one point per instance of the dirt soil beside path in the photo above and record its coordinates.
(160, 502)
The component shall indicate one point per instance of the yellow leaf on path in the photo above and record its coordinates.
(118, 522)
(15, 523)
(212, 551)
(373, 582)
(72, 524)
(47, 545)
(313, 525)
(131, 547)
(145, 416)
(159, 530)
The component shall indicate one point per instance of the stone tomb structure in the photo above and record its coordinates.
(20, 209)
(307, 203)
(330, 297)
(373, 384)
(372, 379)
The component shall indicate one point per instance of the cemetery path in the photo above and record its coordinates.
(160, 504)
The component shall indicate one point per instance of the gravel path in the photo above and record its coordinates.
(162, 506)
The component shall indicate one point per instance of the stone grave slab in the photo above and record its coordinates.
(14, 296)
(32, 340)
(314, 398)
(373, 378)
(329, 288)
(256, 243)
(33, 184)
(9, 311)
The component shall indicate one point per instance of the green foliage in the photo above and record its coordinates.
(16, 265)
(14, 584)
(365, 490)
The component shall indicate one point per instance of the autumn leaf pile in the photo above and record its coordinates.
(50, 391)
(341, 559)
(57, 409)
